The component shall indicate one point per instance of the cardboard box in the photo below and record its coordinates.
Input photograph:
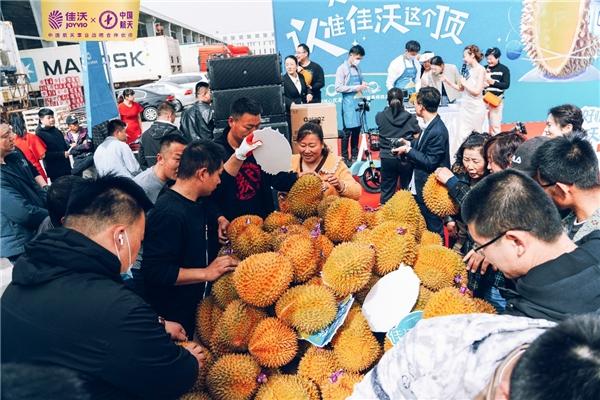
(325, 112)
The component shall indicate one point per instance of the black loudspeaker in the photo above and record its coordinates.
(269, 97)
(282, 127)
(231, 73)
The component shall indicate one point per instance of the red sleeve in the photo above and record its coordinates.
(37, 146)
(139, 108)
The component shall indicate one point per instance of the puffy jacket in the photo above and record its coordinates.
(197, 122)
(23, 204)
(56, 163)
(404, 125)
(67, 306)
(150, 142)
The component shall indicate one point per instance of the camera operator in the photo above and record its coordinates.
(394, 122)
(428, 152)
(349, 82)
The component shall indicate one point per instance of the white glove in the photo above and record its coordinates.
(246, 148)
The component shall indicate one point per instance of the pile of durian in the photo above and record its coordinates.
(296, 265)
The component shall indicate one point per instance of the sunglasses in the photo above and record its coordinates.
(478, 248)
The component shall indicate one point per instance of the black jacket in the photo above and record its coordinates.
(403, 125)
(67, 306)
(430, 152)
(55, 162)
(560, 288)
(250, 192)
(150, 142)
(318, 80)
(291, 94)
(197, 122)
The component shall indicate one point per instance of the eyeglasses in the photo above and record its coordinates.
(477, 248)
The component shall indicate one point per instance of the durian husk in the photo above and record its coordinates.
(308, 308)
(304, 197)
(348, 268)
(437, 267)
(482, 306)
(558, 53)
(428, 237)
(233, 377)
(207, 317)
(277, 219)
(318, 364)
(311, 223)
(279, 235)
(394, 245)
(195, 396)
(324, 247)
(301, 251)
(437, 199)
(273, 343)
(362, 294)
(262, 278)
(324, 205)
(341, 388)
(424, 296)
(402, 208)
(240, 223)
(283, 387)
(342, 219)
(223, 290)
(235, 326)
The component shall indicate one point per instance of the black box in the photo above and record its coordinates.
(269, 97)
(237, 72)
(281, 126)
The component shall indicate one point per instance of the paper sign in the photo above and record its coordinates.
(324, 336)
(407, 323)
(77, 21)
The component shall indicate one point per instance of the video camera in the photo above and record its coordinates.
(364, 105)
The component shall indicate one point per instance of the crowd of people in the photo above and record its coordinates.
(109, 270)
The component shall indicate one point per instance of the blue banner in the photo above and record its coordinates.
(100, 99)
(551, 48)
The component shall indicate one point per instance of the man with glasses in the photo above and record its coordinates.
(312, 72)
(567, 169)
(518, 230)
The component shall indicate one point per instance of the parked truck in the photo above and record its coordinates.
(131, 63)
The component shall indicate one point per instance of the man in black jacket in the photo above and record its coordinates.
(150, 141)
(428, 152)
(175, 267)
(518, 230)
(197, 121)
(312, 72)
(56, 160)
(67, 305)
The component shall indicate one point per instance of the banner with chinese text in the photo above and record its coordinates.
(68, 20)
(558, 66)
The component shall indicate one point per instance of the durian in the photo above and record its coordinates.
(251, 240)
(277, 219)
(482, 306)
(279, 235)
(324, 205)
(240, 223)
(273, 343)
(195, 396)
(438, 267)
(235, 326)
(342, 219)
(224, 291)
(354, 346)
(233, 377)
(207, 316)
(318, 365)
(362, 294)
(437, 199)
(393, 245)
(304, 197)
(348, 268)
(448, 301)
(301, 251)
(387, 344)
(310, 223)
(307, 308)
(562, 52)
(262, 278)
(428, 237)
(340, 385)
(424, 296)
(403, 208)
(283, 387)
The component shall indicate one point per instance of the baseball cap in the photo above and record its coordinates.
(71, 119)
(521, 160)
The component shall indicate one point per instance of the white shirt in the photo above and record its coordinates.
(396, 69)
(114, 156)
(296, 82)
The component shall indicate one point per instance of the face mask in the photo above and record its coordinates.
(356, 62)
